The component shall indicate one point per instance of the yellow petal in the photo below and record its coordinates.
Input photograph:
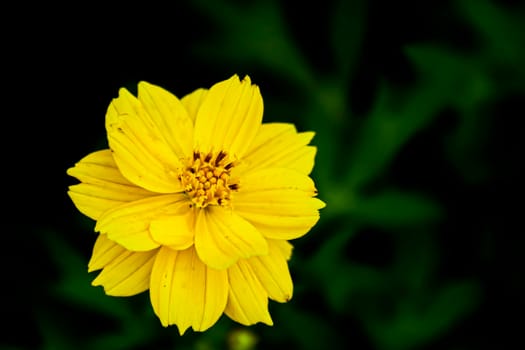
(284, 247)
(129, 223)
(272, 270)
(247, 299)
(103, 186)
(169, 117)
(124, 273)
(279, 145)
(139, 148)
(89, 207)
(278, 202)
(98, 167)
(229, 117)
(282, 203)
(104, 251)
(185, 292)
(276, 179)
(193, 101)
(281, 227)
(222, 237)
(176, 231)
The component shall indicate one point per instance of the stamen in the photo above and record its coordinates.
(206, 179)
(220, 157)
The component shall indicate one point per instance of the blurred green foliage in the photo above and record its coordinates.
(373, 274)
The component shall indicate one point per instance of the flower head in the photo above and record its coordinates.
(195, 200)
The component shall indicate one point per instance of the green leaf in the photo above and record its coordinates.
(352, 286)
(503, 31)
(53, 336)
(133, 333)
(414, 325)
(416, 259)
(458, 79)
(331, 253)
(347, 34)
(394, 208)
(74, 285)
(254, 33)
(325, 112)
(394, 120)
(306, 331)
(468, 86)
(342, 283)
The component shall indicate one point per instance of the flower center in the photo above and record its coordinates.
(206, 179)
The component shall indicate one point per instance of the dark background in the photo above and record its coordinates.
(417, 108)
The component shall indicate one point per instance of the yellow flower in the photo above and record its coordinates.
(196, 200)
